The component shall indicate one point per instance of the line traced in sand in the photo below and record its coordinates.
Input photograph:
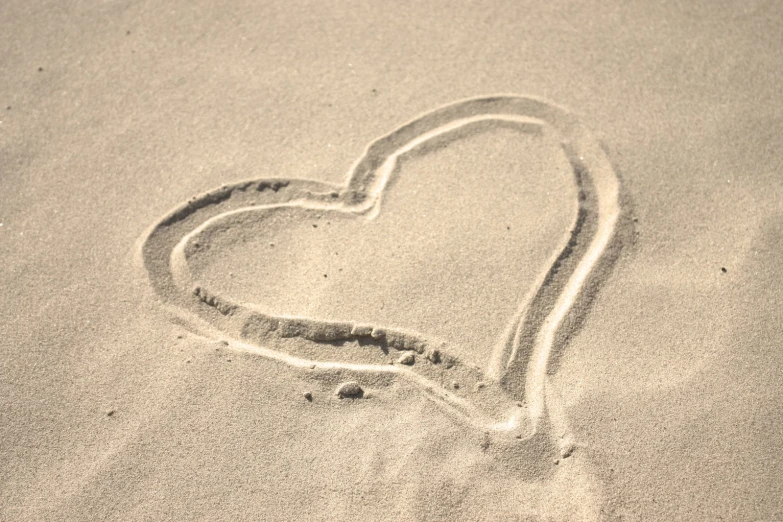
(162, 254)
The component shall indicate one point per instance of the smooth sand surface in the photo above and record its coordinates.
(219, 304)
(452, 251)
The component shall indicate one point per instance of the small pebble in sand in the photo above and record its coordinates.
(480, 385)
(308, 396)
(350, 389)
(110, 413)
(455, 385)
(408, 359)
(567, 450)
(723, 269)
(434, 356)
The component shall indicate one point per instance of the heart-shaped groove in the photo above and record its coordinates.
(512, 394)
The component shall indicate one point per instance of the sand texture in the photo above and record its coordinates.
(364, 261)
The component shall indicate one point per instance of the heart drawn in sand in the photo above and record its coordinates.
(510, 394)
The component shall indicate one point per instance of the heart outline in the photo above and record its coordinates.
(162, 255)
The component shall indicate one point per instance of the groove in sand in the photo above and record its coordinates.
(517, 370)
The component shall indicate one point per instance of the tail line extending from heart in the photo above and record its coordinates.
(518, 369)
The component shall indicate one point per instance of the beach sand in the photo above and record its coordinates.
(379, 261)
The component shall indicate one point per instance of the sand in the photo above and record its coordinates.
(375, 261)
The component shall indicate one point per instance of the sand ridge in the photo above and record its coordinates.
(508, 397)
